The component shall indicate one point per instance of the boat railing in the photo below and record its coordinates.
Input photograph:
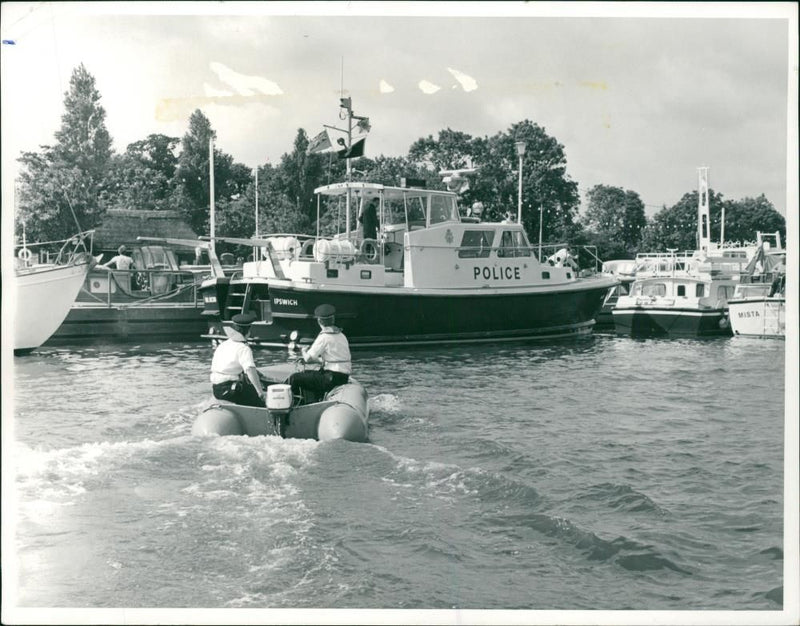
(148, 285)
(75, 250)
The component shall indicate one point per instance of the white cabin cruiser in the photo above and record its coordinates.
(758, 305)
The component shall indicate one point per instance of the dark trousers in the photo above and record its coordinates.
(238, 392)
(317, 382)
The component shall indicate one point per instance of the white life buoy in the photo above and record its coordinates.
(24, 254)
(369, 249)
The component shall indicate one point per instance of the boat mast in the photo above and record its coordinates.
(211, 188)
(256, 197)
(703, 214)
(363, 122)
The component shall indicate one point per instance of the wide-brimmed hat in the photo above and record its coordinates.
(324, 311)
(244, 319)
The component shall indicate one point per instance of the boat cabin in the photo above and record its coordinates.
(422, 243)
(680, 290)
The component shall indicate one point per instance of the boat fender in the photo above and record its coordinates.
(369, 249)
(724, 322)
(24, 254)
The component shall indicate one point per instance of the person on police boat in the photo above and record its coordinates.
(234, 376)
(332, 350)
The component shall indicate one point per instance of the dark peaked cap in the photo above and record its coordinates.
(243, 319)
(325, 310)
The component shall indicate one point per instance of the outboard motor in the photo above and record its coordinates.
(279, 405)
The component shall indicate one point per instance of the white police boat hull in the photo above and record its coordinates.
(342, 414)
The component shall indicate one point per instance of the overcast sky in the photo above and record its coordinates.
(637, 102)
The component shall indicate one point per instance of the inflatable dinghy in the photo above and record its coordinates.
(342, 414)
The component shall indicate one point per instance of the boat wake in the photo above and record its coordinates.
(385, 403)
(524, 509)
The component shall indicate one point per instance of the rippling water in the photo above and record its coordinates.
(598, 473)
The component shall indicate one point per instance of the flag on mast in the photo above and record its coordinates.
(320, 143)
(355, 150)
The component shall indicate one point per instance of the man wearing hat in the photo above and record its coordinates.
(234, 376)
(331, 349)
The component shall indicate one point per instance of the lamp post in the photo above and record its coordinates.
(520, 145)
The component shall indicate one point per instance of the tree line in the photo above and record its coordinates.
(75, 181)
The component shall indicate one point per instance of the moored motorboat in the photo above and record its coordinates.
(758, 305)
(343, 413)
(46, 280)
(158, 299)
(679, 304)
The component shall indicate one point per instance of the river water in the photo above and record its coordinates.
(595, 473)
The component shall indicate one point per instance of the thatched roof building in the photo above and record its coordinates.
(123, 226)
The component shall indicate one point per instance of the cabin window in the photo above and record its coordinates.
(654, 289)
(545, 274)
(416, 211)
(476, 244)
(506, 248)
(513, 244)
(724, 292)
(394, 211)
(441, 209)
(521, 244)
(682, 291)
(699, 290)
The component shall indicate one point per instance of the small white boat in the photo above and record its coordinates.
(46, 281)
(342, 414)
(686, 303)
(758, 305)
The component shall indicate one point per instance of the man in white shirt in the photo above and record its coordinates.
(234, 376)
(124, 263)
(332, 350)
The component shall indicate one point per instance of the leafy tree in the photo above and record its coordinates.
(191, 175)
(546, 187)
(143, 177)
(676, 226)
(63, 187)
(300, 173)
(545, 184)
(743, 218)
(617, 218)
(452, 150)
(192, 184)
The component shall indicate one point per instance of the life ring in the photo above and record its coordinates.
(369, 250)
(25, 254)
